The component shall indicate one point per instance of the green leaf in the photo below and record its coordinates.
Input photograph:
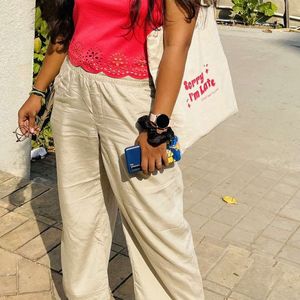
(36, 68)
(237, 9)
(44, 29)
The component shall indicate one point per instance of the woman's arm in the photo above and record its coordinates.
(31, 107)
(50, 67)
(177, 38)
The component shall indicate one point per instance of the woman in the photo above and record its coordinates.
(102, 86)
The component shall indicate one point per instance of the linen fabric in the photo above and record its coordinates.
(102, 41)
(93, 121)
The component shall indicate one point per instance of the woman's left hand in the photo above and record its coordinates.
(152, 157)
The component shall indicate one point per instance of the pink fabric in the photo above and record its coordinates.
(99, 44)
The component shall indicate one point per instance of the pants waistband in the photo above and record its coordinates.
(103, 77)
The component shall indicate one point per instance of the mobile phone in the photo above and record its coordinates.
(133, 155)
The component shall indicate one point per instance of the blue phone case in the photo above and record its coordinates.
(133, 155)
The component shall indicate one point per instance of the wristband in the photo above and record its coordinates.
(38, 92)
(155, 138)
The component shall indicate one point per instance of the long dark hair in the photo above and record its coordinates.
(58, 14)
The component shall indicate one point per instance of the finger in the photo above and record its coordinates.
(32, 123)
(22, 122)
(151, 165)
(158, 163)
(165, 158)
(144, 164)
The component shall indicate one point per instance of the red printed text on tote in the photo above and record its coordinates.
(200, 87)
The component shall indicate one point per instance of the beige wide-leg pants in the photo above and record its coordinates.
(93, 120)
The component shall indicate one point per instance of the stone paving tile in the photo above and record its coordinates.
(285, 188)
(294, 201)
(118, 274)
(227, 217)
(57, 287)
(273, 173)
(190, 175)
(290, 253)
(41, 244)
(116, 248)
(52, 259)
(256, 220)
(240, 237)
(25, 194)
(192, 195)
(205, 165)
(284, 223)
(204, 209)
(214, 177)
(8, 285)
(189, 157)
(31, 296)
(10, 221)
(214, 229)
(5, 176)
(215, 157)
(22, 234)
(11, 185)
(46, 205)
(113, 254)
(292, 178)
(203, 185)
(253, 168)
(259, 279)
(209, 251)
(263, 181)
(248, 197)
(231, 267)
(277, 234)
(209, 295)
(195, 220)
(126, 291)
(33, 277)
(291, 213)
(119, 237)
(272, 206)
(3, 211)
(295, 239)
(267, 245)
(238, 296)
(8, 263)
(230, 165)
(288, 287)
(214, 287)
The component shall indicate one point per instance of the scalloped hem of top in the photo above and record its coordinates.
(89, 70)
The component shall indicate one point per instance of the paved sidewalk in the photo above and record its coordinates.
(247, 251)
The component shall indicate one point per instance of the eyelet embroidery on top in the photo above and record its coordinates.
(116, 64)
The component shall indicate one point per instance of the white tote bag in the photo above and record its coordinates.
(206, 96)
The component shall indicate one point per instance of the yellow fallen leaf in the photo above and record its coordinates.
(229, 199)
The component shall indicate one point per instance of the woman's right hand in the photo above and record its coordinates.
(27, 114)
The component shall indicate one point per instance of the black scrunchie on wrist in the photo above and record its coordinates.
(155, 138)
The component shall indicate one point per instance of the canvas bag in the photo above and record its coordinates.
(206, 97)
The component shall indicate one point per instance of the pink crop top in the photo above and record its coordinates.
(99, 44)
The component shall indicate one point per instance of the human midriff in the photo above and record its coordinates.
(102, 43)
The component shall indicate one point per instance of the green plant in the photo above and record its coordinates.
(41, 43)
(253, 11)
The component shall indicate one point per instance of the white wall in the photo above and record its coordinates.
(16, 57)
